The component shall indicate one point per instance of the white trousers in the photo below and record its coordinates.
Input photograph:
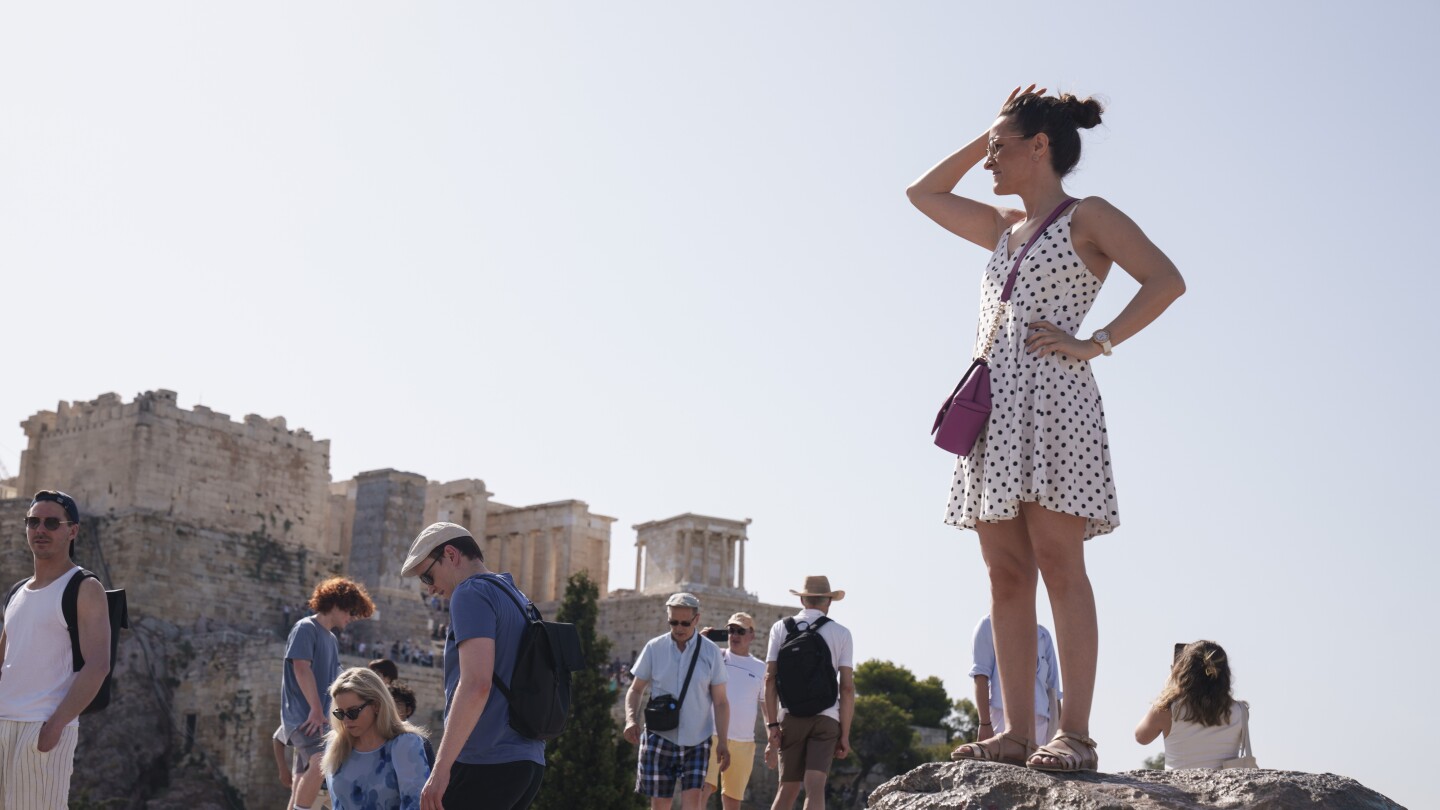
(30, 780)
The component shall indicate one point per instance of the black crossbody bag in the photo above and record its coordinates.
(662, 713)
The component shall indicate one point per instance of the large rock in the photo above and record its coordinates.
(977, 785)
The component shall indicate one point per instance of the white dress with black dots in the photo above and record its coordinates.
(1045, 441)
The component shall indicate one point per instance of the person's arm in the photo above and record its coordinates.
(1155, 723)
(92, 614)
(472, 692)
(969, 219)
(310, 688)
(411, 768)
(771, 709)
(720, 703)
(982, 707)
(1104, 228)
(632, 710)
(847, 711)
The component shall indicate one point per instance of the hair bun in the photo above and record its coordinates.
(1084, 112)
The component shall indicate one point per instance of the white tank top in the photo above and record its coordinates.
(1191, 745)
(38, 666)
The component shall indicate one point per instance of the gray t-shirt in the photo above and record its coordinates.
(308, 642)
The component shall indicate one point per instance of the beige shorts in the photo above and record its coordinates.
(30, 779)
(807, 744)
(736, 778)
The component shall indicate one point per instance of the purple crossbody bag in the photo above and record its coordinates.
(965, 412)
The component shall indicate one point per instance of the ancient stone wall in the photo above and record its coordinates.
(239, 477)
(389, 510)
(464, 502)
(542, 545)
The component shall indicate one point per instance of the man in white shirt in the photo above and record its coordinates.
(41, 693)
(679, 665)
(808, 739)
(745, 690)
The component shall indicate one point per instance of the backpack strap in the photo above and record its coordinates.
(13, 590)
(533, 614)
(791, 628)
(70, 607)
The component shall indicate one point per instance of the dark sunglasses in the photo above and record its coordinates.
(677, 622)
(425, 578)
(737, 631)
(50, 523)
(350, 714)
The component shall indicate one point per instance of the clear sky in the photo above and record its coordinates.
(658, 257)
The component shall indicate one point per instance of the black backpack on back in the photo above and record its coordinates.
(69, 601)
(804, 673)
(539, 689)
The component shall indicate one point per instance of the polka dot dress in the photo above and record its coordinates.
(1045, 441)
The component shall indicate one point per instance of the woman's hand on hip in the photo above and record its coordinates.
(1045, 338)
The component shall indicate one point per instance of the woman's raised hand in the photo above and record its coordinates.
(1018, 92)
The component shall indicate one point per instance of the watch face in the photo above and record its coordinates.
(1101, 336)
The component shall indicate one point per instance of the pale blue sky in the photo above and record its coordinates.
(657, 256)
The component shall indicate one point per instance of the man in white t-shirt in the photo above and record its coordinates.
(745, 690)
(808, 742)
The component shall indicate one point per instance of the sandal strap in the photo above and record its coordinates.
(1068, 755)
(1024, 742)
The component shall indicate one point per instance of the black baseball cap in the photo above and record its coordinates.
(56, 496)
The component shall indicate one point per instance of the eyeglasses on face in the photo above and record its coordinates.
(426, 579)
(991, 152)
(736, 630)
(679, 623)
(352, 713)
(50, 523)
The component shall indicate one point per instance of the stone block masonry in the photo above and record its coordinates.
(239, 477)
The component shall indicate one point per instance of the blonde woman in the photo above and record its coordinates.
(1201, 720)
(373, 759)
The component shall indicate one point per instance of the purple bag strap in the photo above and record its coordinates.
(1035, 237)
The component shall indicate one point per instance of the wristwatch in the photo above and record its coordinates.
(1103, 338)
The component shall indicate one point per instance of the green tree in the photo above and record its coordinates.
(963, 724)
(1155, 763)
(925, 701)
(880, 737)
(585, 766)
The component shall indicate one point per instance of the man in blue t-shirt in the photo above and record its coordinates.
(482, 763)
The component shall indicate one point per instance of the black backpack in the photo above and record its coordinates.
(804, 672)
(119, 617)
(539, 690)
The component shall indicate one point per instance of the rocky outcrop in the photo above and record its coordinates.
(977, 785)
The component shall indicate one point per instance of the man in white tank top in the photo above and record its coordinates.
(41, 697)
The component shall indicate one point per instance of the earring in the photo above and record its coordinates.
(1034, 158)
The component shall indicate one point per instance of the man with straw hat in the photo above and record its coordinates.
(809, 694)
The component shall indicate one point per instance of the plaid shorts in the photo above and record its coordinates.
(662, 762)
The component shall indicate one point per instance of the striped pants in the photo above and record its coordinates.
(30, 780)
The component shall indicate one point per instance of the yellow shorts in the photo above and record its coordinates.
(736, 778)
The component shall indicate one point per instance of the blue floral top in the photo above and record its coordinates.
(388, 778)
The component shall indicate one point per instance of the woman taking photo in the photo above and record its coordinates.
(373, 759)
(1037, 482)
(1202, 722)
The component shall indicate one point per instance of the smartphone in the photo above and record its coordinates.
(718, 635)
(1179, 648)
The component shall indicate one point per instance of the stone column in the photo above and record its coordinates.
(527, 562)
(639, 558)
(741, 570)
(729, 576)
(683, 569)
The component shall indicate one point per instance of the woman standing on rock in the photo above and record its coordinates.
(1202, 721)
(1037, 483)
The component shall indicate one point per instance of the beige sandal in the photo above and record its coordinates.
(1069, 754)
(981, 752)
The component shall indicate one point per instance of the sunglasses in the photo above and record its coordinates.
(50, 523)
(425, 578)
(678, 623)
(737, 631)
(350, 714)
